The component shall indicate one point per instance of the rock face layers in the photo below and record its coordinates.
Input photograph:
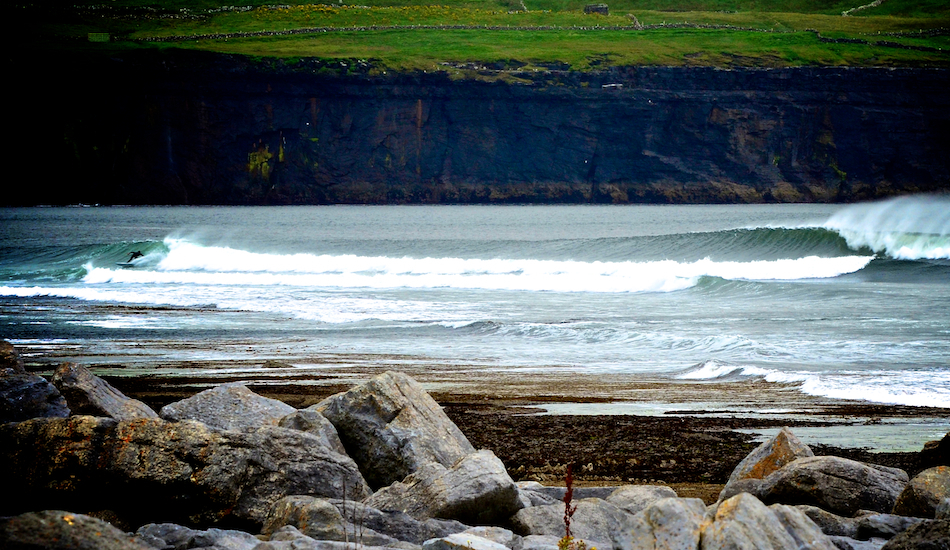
(198, 128)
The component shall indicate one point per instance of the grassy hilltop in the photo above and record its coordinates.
(464, 37)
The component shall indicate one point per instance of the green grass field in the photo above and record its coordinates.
(414, 35)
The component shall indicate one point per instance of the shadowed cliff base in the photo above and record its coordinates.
(176, 127)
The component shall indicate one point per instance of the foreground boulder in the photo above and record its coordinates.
(24, 396)
(168, 535)
(839, 485)
(744, 522)
(229, 407)
(151, 470)
(391, 427)
(321, 520)
(476, 490)
(595, 521)
(56, 529)
(669, 523)
(764, 460)
(87, 394)
(924, 493)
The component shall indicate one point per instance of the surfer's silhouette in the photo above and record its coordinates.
(134, 255)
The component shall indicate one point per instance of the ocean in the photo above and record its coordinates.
(846, 303)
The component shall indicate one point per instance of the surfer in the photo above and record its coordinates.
(134, 255)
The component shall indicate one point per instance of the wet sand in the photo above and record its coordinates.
(683, 434)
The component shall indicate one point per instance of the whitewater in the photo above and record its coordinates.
(846, 302)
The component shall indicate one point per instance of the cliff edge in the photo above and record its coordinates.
(178, 127)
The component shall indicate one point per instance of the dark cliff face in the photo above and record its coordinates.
(202, 129)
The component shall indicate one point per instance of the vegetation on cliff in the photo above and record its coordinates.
(478, 38)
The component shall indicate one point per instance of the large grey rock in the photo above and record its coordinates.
(319, 519)
(170, 535)
(391, 427)
(24, 396)
(86, 393)
(289, 538)
(594, 520)
(311, 421)
(669, 523)
(183, 472)
(926, 535)
(476, 490)
(399, 525)
(745, 523)
(765, 459)
(924, 493)
(56, 529)
(10, 358)
(839, 485)
(229, 407)
(634, 498)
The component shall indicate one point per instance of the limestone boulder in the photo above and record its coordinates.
(289, 538)
(87, 394)
(311, 421)
(476, 490)
(744, 522)
(594, 520)
(151, 469)
(396, 524)
(669, 523)
(926, 535)
(924, 493)
(835, 484)
(170, 535)
(319, 519)
(765, 459)
(635, 498)
(228, 407)
(391, 427)
(59, 530)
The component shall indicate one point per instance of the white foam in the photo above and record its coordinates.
(904, 228)
(191, 264)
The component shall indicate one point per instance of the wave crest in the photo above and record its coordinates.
(903, 228)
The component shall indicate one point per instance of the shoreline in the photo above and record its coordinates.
(692, 451)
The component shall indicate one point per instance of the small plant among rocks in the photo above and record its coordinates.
(568, 542)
